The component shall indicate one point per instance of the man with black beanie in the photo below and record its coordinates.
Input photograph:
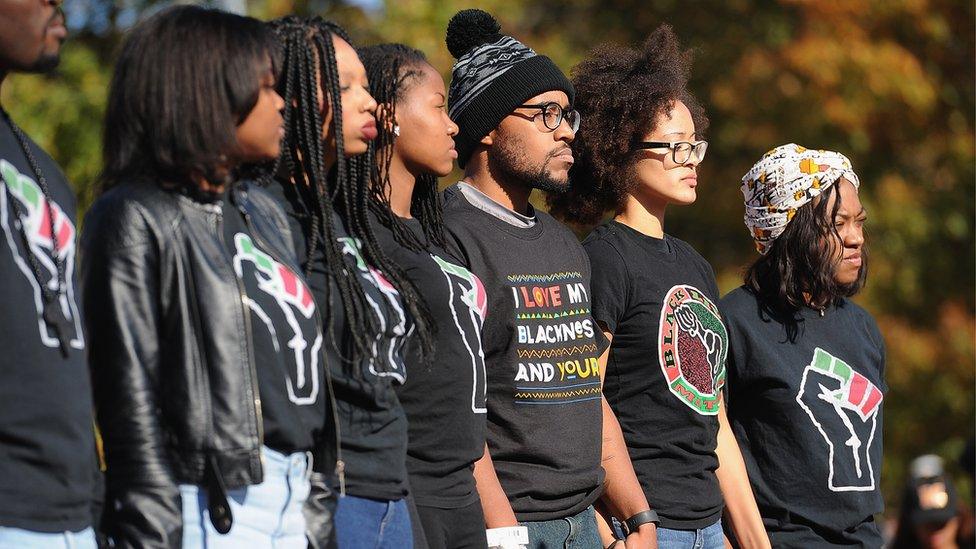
(549, 427)
(48, 467)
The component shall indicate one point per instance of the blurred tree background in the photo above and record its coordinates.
(889, 82)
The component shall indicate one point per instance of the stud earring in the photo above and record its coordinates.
(396, 130)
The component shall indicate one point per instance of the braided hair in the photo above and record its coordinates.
(307, 57)
(391, 69)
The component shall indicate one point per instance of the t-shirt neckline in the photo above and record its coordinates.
(525, 233)
(662, 246)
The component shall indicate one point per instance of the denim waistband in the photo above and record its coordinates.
(295, 465)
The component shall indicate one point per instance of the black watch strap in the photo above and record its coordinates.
(634, 522)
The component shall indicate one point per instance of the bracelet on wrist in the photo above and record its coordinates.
(635, 522)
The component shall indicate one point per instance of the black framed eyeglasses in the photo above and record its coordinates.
(553, 114)
(681, 151)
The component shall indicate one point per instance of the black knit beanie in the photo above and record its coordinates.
(493, 74)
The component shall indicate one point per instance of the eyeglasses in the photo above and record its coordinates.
(553, 114)
(681, 151)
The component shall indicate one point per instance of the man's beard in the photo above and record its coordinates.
(46, 63)
(508, 163)
(42, 64)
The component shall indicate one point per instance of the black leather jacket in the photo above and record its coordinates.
(170, 352)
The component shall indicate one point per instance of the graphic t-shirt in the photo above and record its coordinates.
(808, 417)
(444, 399)
(541, 349)
(372, 423)
(47, 441)
(666, 368)
(286, 339)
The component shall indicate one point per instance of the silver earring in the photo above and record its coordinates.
(396, 130)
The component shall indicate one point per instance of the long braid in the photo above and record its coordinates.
(302, 162)
(360, 170)
(426, 206)
(325, 49)
(391, 68)
(384, 80)
(348, 193)
(351, 180)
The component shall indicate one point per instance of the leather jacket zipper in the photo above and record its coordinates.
(249, 337)
(340, 466)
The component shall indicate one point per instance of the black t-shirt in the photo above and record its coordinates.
(372, 424)
(47, 441)
(666, 368)
(808, 417)
(444, 399)
(541, 347)
(286, 339)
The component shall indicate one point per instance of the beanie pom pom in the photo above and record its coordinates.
(471, 28)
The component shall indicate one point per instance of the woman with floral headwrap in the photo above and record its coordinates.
(805, 364)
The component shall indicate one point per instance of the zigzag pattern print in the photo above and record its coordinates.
(550, 316)
(556, 353)
(552, 277)
(537, 395)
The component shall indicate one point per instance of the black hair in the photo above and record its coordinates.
(645, 82)
(185, 79)
(798, 269)
(308, 55)
(391, 69)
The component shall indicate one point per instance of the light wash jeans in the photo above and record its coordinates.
(11, 538)
(266, 515)
(709, 537)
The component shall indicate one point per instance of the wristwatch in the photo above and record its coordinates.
(634, 522)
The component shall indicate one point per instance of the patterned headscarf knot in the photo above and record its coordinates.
(785, 179)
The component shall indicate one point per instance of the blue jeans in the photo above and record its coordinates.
(27, 539)
(362, 523)
(574, 532)
(265, 515)
(709, 537)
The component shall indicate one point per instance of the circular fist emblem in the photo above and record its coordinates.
(693, 344)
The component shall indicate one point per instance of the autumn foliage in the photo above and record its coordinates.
(888, 82)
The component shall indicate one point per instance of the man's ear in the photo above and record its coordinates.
(489, 139)
(382, 113)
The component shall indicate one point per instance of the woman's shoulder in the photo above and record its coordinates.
(268, 200)
(263, 192)
(863, 317)
(603, 237)
(130, 211)
(738, 303)
(685, 249)
(132, 193)
(604, 246)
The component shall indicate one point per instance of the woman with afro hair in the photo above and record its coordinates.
(653, 295)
